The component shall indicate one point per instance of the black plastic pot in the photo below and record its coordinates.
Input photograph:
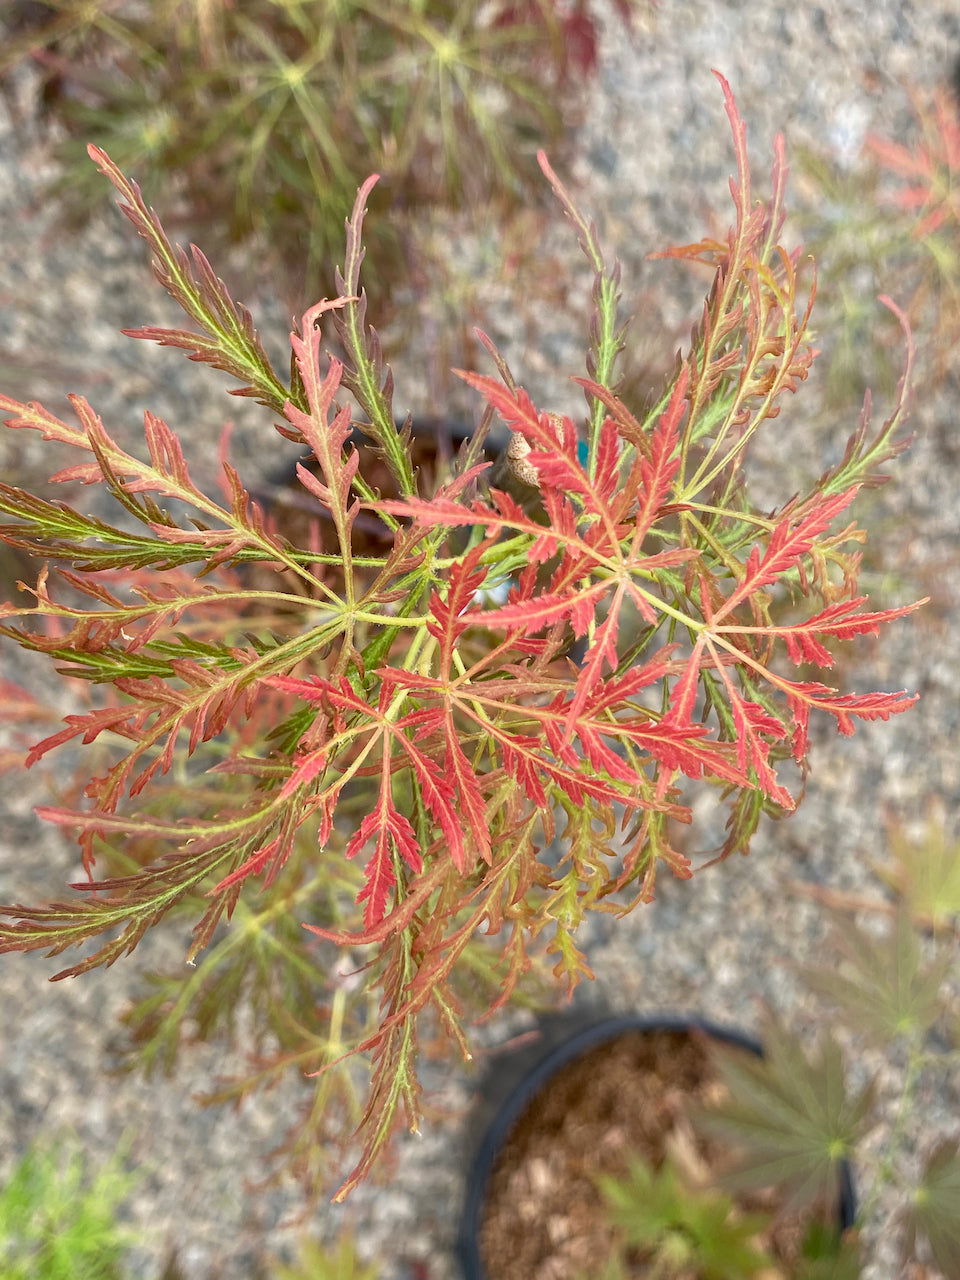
(514, 1084)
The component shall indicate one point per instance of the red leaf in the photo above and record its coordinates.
(254, 865)
(438, 511)
(753, 724)
(452, 618)
(602, 650)
(465, 780)
(312, 689)
(438, 795)
(305, 772)
(838, 620)
(844, 707)
(391, 830)
(520, 762)
(688, 749)
(786, 546)
(608, 460)
(683, 697)
(657, 473)
(545, 609)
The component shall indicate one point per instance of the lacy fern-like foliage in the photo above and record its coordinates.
(417, 713)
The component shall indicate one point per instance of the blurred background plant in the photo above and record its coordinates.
(797, 1114)
(264, 118)
(59, 1222)
(316, 1262)
(928, 199)
(788, 1121)
(891, 222)
(670, 1227)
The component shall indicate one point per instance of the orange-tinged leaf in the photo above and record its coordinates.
(840, 620)
(467, 786)
(452, 612)
(844, 707)
(390, 831)
(786, 546)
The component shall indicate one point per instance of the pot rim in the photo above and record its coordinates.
(553, 1060)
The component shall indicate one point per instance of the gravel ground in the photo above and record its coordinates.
(652, 163)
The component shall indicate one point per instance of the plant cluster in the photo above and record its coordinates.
(793, 1119)
(267, 116)
(894, 218)
(926, 176)
(360, 751)
(57, 1223)
(318, 1263)
(669, 1227)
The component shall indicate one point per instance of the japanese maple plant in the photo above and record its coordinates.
(357, 750)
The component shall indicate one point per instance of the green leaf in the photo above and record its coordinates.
(883, 989)
(319, 1263)
(790, 1114)
(363, 371)
(934, 1209)
(256, 967)
(607, 339)
(862, 453)
(927, 873)
(229, 340)
(828, 1256)
(57, 532)
(695, 1230)
(56, 1222)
